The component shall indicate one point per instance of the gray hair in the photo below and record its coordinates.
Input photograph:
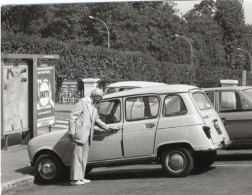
(96, 92)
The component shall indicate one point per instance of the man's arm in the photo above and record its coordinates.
(74, 115)
(100, 123)
(104, 126)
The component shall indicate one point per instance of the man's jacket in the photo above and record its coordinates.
(82, 120)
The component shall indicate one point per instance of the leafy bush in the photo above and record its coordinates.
(78, 61)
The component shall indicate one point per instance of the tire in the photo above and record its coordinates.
(204, 160)
(48, 169)
(177, 162)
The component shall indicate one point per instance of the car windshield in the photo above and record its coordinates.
(248, 92)
(201, 101)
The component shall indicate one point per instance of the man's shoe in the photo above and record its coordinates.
(86, 181)
(77, 183)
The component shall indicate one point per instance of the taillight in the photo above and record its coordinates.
(207, 131)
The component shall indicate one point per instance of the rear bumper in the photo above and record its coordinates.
(223, 145)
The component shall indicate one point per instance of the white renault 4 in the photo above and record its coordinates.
(174, 125)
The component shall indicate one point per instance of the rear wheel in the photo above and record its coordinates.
(177, 162)
(204, 160)
(48, 169)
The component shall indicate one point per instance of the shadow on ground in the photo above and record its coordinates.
(26, 170)
(234, 157)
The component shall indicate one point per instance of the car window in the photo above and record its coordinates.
(110, 111)
(174, 106)
(248, 92)
(201, 101)
(233, 101)
(140, 108)
(210, 95)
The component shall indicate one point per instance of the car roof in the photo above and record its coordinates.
(238, 88)
(173, 88)
(130, 84)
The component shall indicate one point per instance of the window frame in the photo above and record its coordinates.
(233, 110)
(180, 99)
(141, 96)
(120, 105)
(200, 92)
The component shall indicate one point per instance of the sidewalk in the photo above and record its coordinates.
(15, 171)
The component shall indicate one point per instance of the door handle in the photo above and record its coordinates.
(149, 125)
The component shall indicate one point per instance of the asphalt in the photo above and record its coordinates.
(15, 171)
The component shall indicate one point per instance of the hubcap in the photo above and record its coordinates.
(176, 161)
(47, 169)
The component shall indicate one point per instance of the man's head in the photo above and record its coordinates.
(96, 95)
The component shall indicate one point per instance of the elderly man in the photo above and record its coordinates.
(82, 120)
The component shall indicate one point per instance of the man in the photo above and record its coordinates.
(82, 120)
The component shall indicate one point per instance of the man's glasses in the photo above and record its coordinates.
(98, 97)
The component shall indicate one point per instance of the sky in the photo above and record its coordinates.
(183, 6)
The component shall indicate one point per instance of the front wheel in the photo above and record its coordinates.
(48, 169)
(177, 162)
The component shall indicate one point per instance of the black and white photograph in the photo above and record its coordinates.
(126, 97)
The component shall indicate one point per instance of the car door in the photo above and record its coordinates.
(237, 111)
(105, 145)
(140, 124)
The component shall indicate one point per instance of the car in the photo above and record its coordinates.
(173, 125)
(234, 105)
(126, 85)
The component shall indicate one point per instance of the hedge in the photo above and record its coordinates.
(78, 61)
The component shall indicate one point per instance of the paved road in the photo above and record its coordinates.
(229, 175)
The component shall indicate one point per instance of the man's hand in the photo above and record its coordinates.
(113, 129)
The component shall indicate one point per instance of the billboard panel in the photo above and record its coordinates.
(15, 96)
(46, 94)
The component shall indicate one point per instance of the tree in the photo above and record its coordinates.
(206, 35)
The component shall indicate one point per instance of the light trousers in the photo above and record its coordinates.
(79, 161)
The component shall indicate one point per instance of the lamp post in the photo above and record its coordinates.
(190, 46)
(106, 28)
(249, 58)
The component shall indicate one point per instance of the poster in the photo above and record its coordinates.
(46, 95)
(15, 96)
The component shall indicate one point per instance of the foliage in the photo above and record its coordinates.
(143, 42)
(85, 62)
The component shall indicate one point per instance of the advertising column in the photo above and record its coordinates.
(46, 95)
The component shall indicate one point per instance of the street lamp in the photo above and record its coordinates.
(190, 46)
(249, 58)
(106, 28)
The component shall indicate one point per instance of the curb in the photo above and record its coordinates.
(10, 185)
